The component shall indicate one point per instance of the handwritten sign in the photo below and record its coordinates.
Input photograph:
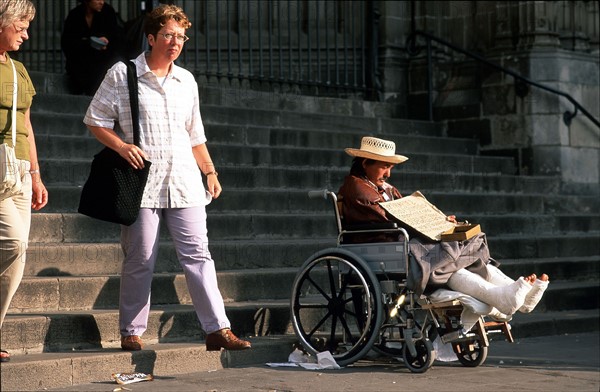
(418, 213)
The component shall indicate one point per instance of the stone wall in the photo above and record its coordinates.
(554, 43)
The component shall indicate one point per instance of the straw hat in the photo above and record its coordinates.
(377, 149)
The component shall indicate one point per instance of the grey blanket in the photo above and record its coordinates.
(432, 263)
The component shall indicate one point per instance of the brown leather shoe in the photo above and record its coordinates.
(224, 338)
(131, 343)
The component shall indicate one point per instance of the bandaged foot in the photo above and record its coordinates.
(535, 294)
(507, 299)
(498, 278)
(496, 315)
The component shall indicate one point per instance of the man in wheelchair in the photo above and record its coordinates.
(461, 266)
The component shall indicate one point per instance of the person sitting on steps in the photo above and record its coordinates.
(463, 266)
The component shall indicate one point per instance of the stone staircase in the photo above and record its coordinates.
(270, 149)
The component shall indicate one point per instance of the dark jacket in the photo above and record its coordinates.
(85, 64)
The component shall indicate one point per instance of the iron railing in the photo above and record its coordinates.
(521, 82)
(322, 47)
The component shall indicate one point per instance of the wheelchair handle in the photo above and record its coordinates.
(321, 194)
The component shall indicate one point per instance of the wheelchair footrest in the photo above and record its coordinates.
(499, 326)
(442, 305)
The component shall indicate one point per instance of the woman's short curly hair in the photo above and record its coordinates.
(159, 17)
(14, 10)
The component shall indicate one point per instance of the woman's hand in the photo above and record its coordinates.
(39, 196)
(451, 218)
(213, 186)
(132, 154)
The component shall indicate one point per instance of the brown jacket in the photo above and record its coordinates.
(360, 205)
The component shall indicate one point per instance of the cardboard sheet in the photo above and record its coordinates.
(418, 213)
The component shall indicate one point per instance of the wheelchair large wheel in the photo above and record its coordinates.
(470, 353)
(336, 306)
(424, 358)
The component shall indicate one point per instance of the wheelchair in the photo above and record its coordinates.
(353, 298)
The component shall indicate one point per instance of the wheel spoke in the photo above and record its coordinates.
(347, 329)
(331, 279)
(332, 342)
(319, 289)
(311, 333)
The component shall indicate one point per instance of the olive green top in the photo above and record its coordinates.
(25, 93)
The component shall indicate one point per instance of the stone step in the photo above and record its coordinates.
(270, 116)
(60, 259)
(555, 323)
(544, 246)
(71, 124)
(59, 240)
(468, 174)
(57, 258)
(564, 268)
(66, 198)
(66, 369)
(73, 227)
(60, 104)
(85, 147)
(54, 86)
(51, 370)
(73, 293)
(466, 203)
(81, 292)
(67, 329)
(89, 329)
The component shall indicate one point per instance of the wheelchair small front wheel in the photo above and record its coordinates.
(421, 362)
(470, 353)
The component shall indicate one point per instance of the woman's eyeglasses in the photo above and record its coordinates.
(179, 38)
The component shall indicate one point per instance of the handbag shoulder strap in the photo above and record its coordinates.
(132, 83)
(14, 105)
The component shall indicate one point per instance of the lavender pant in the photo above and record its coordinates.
(139, 241)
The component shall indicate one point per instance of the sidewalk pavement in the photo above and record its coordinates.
(549, 363)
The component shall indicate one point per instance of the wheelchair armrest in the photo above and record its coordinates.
(372, 226)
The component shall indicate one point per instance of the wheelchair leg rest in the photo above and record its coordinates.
(481, 331)
(500, 326)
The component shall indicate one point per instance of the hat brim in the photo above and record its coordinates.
(355, 152)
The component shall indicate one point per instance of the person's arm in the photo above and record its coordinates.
(130, 152)
(40, 194)
(204, 162)
(361, 202)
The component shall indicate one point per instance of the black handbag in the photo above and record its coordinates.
(113, 191)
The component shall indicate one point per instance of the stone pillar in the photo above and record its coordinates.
(394, 27)
(592, 24)
(571, 19)
(503, 40)
(529, 122)
(535, 25)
